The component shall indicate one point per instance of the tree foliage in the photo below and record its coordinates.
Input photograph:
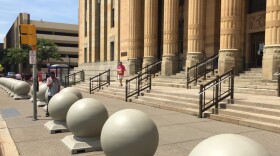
(17, 55)
(46, 49)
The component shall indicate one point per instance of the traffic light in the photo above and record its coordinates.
(28, 34)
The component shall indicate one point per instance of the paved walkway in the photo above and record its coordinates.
(179, 133)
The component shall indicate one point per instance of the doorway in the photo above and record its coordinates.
(257, 45)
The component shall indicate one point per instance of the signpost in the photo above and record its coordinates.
(28, 36)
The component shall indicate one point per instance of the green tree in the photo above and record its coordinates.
(17, 56)
(46, 49)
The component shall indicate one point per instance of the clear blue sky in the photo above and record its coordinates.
(62, 11)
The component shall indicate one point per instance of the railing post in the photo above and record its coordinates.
(83, 75)
(108, 77)
(195, 75)
(278, 76)
(204, 70)
(126, 90)
(89, 85)
(188, 77)
(150, 83)
(200, 101)
(217, 91)
(139, 77)
(213, 67)
(74, 78)
(232, 85)
(99, 79)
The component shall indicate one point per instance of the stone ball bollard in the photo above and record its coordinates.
(74, 91)
(229, 145)
(42, 90)
(60, 104)
(41, 94)
(129, 132)
(46, 95)
(22, 88)
(86, 118)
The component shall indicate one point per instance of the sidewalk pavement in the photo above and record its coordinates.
(178, 133)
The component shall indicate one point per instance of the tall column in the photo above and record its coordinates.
(103, 30)
(150, 32)
(81, 31)
(196, 32)
(170, 37)
(186, 14)
(135, 35)
(271, 56)
(230, 37)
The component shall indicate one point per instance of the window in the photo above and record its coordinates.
(112, 13)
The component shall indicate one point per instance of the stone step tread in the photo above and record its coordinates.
(256, 87)
(257, 104)
(246, 122)
(168, 101)
(170, 97)
(168, 107)
(108, 94)
(250, 115)
(253, 109)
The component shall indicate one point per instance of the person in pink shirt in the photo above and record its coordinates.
(120, 70)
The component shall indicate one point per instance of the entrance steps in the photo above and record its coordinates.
(262, 115)
(253, 110)
(249, 82)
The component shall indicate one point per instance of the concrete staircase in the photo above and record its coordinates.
(261, 115)
(249, 82)
(253, 110)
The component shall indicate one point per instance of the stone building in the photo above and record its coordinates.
(65, 36)
(181, 33)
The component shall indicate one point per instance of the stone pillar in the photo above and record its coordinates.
(170, 37)
(103, 30)
(230, 40)
(271, 55)
(150, 32)
(186, 13)
(135, 36)
(196, 32)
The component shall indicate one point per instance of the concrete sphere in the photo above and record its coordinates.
(31, 90)
(129, 132)
(22, 88)
(86, 117)
(74, 91)
(229, 145)
(60, 104)
(46, 95)
(42, 90)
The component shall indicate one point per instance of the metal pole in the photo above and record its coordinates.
(278, 92)
(232, 85)
(34, 92)
(200, 101)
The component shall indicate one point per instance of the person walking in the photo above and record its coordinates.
(120, 70)
(54, 88)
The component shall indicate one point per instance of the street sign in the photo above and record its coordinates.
(32, 57)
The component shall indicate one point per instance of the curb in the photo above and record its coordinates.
(7, 145)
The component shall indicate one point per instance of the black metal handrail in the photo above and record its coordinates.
(75, 78)
(217, 94)
(137, 84)
(99, 81)
(153, 68)
(202, 68)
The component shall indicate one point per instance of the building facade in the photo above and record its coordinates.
(65, 36)
(181, 33)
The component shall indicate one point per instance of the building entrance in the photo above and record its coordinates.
(257, 45)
